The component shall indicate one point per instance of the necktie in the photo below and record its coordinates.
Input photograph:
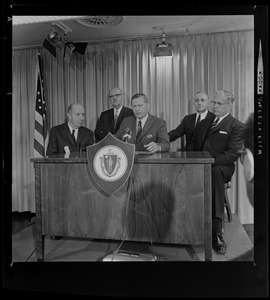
(73, 137)
(139, 129)
(214, 124)
(115, 117)
(198, 122)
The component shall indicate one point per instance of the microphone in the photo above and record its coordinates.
(128, 132)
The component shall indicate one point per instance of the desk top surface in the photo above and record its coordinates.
(193, 157)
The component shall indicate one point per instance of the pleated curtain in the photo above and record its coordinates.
(203, 62)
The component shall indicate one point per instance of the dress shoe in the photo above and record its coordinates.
(56, 237)
(219, 244)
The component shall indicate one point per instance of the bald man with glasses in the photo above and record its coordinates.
(222, 136)
(111, 119)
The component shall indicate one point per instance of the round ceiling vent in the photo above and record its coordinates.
(101, 21)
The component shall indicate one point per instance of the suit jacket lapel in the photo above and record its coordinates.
(111, 118)
(209, 115)
(206, 124)
(79, 138)
(193, 119)
(146, 126)
(220, 124)
(120, 116)
(68, 134)
(132, 127)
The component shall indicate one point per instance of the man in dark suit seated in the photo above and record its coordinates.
(190, 122)
(70, 136)
(222, 136)
(147, 132)
(110, 120)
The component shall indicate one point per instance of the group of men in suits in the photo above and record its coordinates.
(219, 133)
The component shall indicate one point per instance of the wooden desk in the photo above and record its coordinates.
(167, 199)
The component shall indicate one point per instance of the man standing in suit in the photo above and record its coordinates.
(111, 119)
(70, 136)
(222, 136)
(147, 132)
(190, 122)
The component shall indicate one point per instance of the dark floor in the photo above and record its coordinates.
(239, 239)
(24, 219)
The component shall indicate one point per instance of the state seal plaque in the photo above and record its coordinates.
(110, 163)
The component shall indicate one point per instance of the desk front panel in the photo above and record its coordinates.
(160, 202)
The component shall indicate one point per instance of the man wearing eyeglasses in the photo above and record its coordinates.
(110, 120)
(222, 136)
(190, 122)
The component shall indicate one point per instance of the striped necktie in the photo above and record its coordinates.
(214, 124)
(139, 129)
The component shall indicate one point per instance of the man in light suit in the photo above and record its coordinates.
(110, 120)
(147, 132)
(63, 140)
(222, 136)
(190, 122)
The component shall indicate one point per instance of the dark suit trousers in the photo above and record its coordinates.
(220, 176)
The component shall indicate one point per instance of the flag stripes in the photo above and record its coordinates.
(41, 128)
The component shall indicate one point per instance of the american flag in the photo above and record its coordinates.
(41, 127)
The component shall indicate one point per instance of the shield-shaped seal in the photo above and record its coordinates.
(110, 162)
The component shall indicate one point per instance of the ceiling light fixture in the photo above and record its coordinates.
(186, 32)
(53, 37)
(54, 41)
(163, 49)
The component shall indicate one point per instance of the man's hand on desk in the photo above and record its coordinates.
(153, 147)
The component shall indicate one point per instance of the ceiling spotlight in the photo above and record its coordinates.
(186, 33)
(54, 38)
(163, 49)
(54, 42)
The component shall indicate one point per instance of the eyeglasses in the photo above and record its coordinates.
(217, 103)
(116, 95)
(198, 100)
(242, 154)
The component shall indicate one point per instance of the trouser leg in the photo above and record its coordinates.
(220, 175)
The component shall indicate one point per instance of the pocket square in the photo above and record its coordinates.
(149, 136)
(224, 132)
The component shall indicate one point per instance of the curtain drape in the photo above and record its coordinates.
(204, 62)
